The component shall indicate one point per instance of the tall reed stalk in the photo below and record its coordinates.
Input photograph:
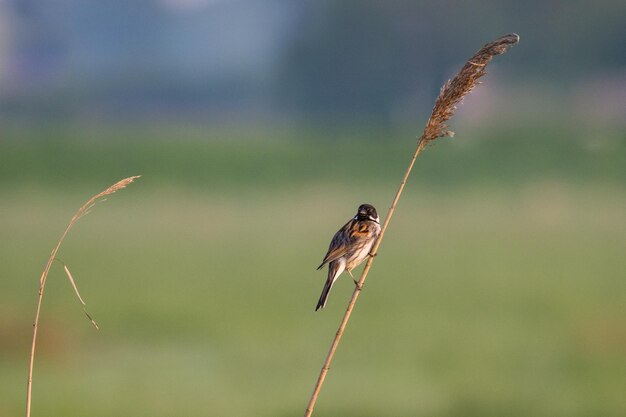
(450, 96)
(83, 210)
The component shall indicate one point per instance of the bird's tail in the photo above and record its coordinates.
(334, 270)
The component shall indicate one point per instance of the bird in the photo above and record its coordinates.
(350, 246)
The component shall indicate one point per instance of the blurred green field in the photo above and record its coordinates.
(499, 289)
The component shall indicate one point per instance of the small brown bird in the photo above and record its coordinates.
(350, 246)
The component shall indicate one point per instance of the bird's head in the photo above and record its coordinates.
(367, 212)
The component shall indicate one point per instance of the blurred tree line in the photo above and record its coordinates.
(332, 59)
(367, 56)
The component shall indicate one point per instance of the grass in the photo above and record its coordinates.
(500, 285)
(508, 155)
(82, 211)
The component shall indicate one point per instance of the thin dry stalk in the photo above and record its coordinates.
(84, 209)
(82, 302)
(450, 96)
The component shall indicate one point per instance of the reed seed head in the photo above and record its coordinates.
(454, 90)
(98, 197)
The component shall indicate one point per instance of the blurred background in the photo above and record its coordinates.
(259, 127)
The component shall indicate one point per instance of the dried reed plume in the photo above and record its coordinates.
(450, 96)
(85, 208)
(454, 90)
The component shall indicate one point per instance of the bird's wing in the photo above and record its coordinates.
(359, 230)
(339, 245)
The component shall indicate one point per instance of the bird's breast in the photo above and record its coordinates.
(362, 247)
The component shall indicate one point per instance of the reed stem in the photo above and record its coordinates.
(451, 94)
